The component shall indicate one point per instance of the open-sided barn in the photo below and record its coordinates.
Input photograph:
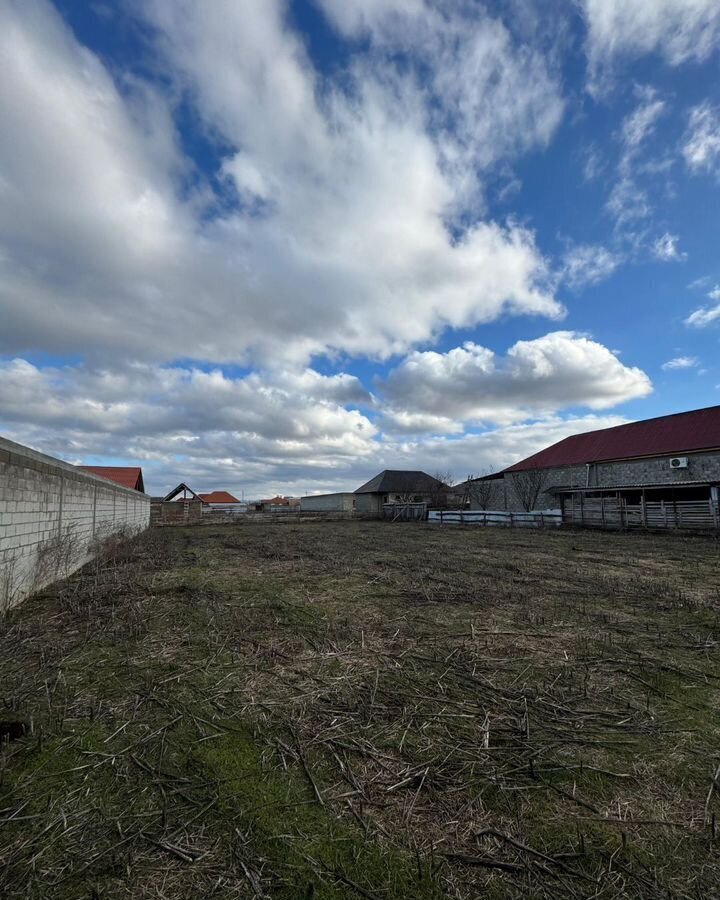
(662, 472)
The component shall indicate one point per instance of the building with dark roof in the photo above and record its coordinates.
(399, 486)
(661, 472)
(126, 476)
(183, 493)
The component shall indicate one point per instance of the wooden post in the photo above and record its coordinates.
(60, 505)
(602, 509)
(643, 510)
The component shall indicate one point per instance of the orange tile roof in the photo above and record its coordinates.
(218, 497)
(125, 476)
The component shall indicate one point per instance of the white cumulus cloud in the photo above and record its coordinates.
(336, 211)
(680, 362)
(538, 377)
(251, 426)
(290, 431)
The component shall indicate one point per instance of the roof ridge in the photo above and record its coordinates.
(684, 412)
(691, 430)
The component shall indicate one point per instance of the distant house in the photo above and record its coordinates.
(218, 497)
(222, 501)
(181, 506)
(126, 476)
(662, 472)
(399, 486)
(276, 501)
(279, 504)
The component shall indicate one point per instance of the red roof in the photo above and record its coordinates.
(126, 476)
(218, 497)
(665, 436)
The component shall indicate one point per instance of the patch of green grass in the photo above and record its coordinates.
(281, 827)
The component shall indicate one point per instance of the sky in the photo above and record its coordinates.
(279, 245)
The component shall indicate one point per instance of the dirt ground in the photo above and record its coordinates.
(307, 709)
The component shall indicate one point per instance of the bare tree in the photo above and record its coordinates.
(528, 485)
(478, 491)
(440, 490)
(445, 478)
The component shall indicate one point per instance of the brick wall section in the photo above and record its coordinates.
(51, 514)
(176, 512)
(653, 470)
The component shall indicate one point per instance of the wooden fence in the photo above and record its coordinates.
(405, 512)
(615, 513)
(539, 519)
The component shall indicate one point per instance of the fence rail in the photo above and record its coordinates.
(405, 512)
(540, 519)
(616, 513)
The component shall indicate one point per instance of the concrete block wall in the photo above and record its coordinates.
(368, 504)
(340, 502)
(52, 515)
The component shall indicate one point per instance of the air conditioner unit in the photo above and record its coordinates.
(679, 462)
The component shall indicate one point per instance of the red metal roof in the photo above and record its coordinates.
(126, 476)
(218, 497)
(672, 435)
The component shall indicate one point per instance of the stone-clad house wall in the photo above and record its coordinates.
(656, 470)
(703, 467)
(51, 515)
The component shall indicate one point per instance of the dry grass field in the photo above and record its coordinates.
(365, 710)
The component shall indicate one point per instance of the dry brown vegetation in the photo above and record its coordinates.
(348, 709)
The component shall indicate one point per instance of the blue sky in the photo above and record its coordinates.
(280, 245)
